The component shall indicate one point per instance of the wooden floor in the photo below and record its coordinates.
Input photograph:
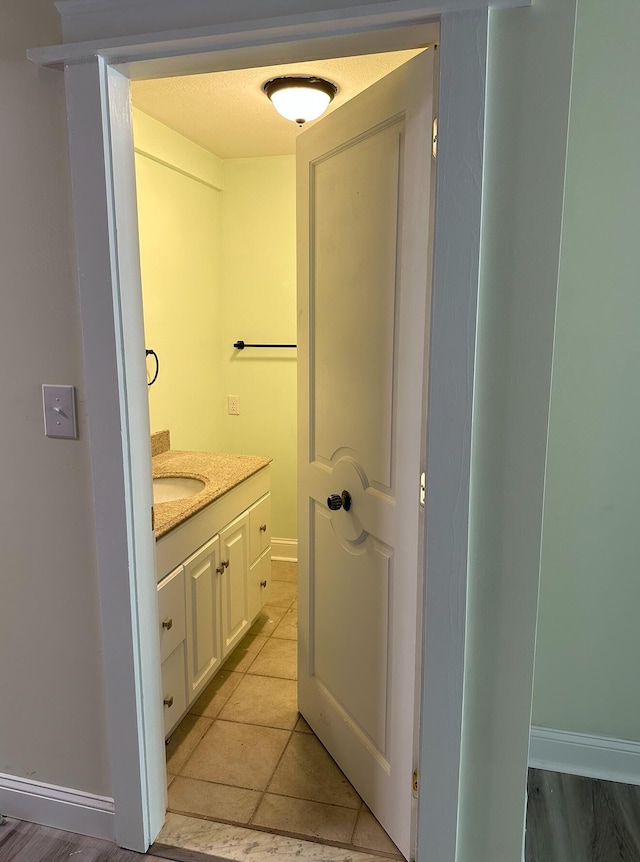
(26, 842)
(569, 819)
(574, 819)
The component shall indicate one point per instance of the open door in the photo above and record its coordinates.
(364, 185)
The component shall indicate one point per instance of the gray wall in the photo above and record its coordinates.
(51, 675)
(588, 632)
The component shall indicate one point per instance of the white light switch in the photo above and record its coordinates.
(59, 405)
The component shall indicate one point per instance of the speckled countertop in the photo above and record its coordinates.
(221, 473)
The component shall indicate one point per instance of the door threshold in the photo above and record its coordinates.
(186, 838)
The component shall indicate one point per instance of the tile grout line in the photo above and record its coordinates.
(296, 797)
(266, 790)
(355, 824)
(280, 793)
(245, 673)
(360, 807)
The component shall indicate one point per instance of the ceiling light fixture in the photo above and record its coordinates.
(300, 98)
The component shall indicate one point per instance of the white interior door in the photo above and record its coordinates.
(364, 183)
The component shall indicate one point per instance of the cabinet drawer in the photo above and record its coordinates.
(260, 527)
(259, 584)
(171, 612)
(174, 688)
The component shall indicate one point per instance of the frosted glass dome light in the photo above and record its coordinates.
(300, 98)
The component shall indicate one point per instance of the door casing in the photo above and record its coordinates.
(110, 303)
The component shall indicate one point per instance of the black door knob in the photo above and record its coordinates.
(339, 501)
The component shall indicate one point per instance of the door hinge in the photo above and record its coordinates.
(414, 784)
(423, 488)
(153, 519)
(434, 138)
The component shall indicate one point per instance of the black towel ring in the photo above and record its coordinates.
(155, 356)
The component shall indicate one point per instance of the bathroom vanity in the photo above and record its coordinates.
(213, 564)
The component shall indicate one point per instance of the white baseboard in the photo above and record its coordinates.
(48, 805)
(583, 754)
(285, 550)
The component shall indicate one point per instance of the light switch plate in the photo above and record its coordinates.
(59, 405)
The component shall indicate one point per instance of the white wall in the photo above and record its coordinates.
(588, 634)
(52, 725)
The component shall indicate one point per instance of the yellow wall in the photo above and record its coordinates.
(179, 223)
(258, 304)
(217, 246)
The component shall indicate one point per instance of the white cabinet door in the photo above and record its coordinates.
(204, 652)
(234, 550)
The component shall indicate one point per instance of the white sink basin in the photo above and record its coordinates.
(170, 488)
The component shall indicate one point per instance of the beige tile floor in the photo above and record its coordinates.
(244, 755)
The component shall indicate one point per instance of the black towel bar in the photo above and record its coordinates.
(240, 345)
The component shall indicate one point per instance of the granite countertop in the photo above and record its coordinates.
(221, 473)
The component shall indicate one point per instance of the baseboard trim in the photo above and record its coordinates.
(583, 754)
(285, 550)
(59, 807)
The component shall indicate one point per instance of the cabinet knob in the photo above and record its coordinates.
(168, 701)
(167, 624)
(263, 583)
(263, 528)
(225, 564)
(220, 569)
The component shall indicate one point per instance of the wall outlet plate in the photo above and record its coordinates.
(233, 405)
(59, 406)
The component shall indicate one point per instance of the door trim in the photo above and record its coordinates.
(99, 125)
(449, 416)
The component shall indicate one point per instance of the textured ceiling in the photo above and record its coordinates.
(229, 115)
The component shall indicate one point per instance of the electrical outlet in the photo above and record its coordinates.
(233, 405)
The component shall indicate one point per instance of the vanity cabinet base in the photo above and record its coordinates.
(214, 592)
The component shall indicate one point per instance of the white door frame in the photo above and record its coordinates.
(101, 151)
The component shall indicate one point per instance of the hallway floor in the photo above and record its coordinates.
(244, 756)
(570, 817)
